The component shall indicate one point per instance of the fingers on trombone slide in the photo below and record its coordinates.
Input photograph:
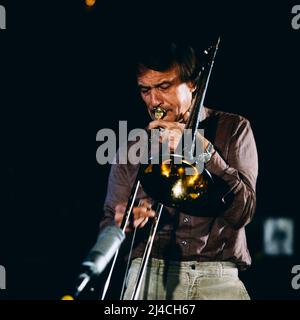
(142, 213)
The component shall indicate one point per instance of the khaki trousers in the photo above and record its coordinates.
(187, 280)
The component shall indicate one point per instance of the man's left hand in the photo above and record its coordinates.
(172, 133)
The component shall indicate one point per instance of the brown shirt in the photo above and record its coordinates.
(184, 237)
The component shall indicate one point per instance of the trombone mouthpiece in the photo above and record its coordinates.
(159, 113)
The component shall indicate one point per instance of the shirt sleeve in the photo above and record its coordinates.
(118, 191)
(240, 173)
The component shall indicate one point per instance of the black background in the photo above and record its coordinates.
(66, 72)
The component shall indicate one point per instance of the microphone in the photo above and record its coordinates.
(107, 244)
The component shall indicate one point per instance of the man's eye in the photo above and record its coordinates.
(164, 86)
(144, 90)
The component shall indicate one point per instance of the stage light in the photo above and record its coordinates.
(90, 3)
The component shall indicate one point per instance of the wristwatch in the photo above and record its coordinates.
(206, 155)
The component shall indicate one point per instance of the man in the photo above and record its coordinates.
(193, 257)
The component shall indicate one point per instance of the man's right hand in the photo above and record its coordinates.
(141, 214)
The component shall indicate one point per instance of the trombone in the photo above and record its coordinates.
(187, 192)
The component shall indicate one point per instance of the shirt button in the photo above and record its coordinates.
(186, 220)
(183, 242)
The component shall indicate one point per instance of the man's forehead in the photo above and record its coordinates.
(150, 77)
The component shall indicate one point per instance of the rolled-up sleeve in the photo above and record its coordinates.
(239, 171)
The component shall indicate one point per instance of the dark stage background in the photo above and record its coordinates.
(66, 72)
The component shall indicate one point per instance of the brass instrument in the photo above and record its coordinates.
(159, 113)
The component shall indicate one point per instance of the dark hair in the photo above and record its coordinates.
(164, 56)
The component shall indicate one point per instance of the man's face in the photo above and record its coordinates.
(165, 89)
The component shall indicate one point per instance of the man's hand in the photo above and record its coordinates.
(173, 132)
(141, 214)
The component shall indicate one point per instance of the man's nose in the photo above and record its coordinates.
(155, 98)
